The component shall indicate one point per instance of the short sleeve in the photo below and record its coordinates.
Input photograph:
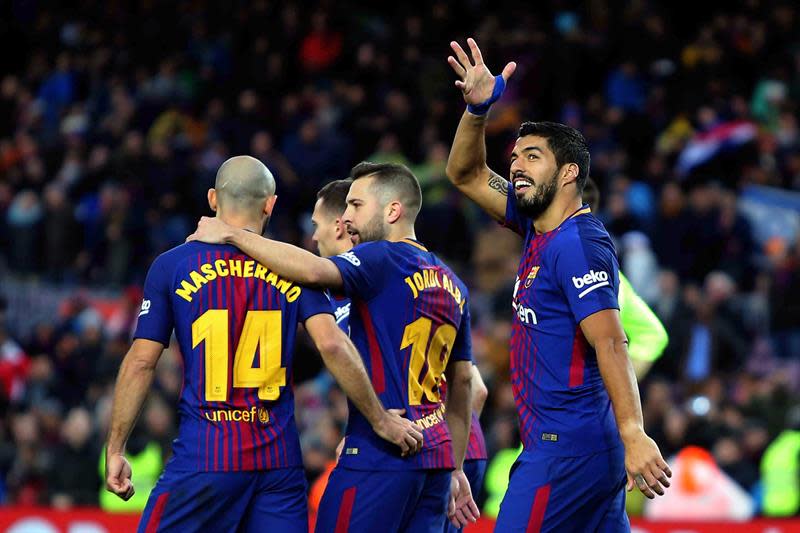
(514, 220)
(462, 348)
(362, 269)
(313, 302)
(155, 316)
(588, 274)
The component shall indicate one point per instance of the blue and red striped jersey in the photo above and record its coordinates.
(476, 446)
(235, 323)
(564, 276)
(409, 317)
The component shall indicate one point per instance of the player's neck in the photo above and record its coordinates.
(559, 211)
(399, 233)
(241, 222)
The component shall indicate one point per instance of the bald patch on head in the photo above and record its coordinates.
(243, 183)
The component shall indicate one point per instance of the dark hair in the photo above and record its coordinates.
(591, 194)
(334, 196)
(395, 179)
(567, 144)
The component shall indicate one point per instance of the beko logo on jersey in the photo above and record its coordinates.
(593, 280)
(351, 258)
(342, 312)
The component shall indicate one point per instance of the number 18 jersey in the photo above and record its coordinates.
(409, 317)
(235, 323)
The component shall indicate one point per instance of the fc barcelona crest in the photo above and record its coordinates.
(531, 276)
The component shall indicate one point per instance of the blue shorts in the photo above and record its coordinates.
(475, 470)
(273, 500)
(361, 501)
(564, 494)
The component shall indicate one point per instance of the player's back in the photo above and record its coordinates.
(235, 323)
(409, 318)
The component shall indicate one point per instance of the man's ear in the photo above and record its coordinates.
(339, 228)
(394, 211)
(269, 204)
(212, 199)
(571, 171)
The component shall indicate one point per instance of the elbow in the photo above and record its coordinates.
(331, 349)
(457, 174)
(480, 393)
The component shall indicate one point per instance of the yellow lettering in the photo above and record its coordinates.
(248, 268)
(236, 416)
(457, 295)
(261, 271)
(411, 285)
(446, 282)
(221, 268)
(272, 277)
(198, 280)
(418, 281)
(208, 270)
(211, 416)
(293, 293)
(435, 276)
(185, 290)
(283, 285)
(236, 267)
(245, 416)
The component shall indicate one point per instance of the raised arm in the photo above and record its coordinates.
(643, 462)
(133, 382)
(292, 262)
(342, 359)
(466, 166)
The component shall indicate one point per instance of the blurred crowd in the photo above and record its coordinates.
(114, 119)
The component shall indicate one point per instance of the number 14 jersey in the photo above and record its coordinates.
(235, 323)
(408, 317)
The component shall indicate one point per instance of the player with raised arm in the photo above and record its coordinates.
(569, 362)
(410, 319)
(237, 463)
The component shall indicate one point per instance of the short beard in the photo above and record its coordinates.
(542, 198)
(374, 230)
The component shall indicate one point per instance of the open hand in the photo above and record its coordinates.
(645, 467)
(211, 230)
(476, 82)
(462, 510)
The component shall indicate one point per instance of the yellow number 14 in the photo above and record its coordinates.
(269, 376)
(417, 334)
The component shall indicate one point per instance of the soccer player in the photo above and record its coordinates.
(332, 238)
(410, 320)
(569, 363)
(237, 464)
(647, 337)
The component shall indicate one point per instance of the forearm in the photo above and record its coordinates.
(292, 262)
(620, 381)
(467, 160)
(348, 370)
(133, 383)
(458, 414)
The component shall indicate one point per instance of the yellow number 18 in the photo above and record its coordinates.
(417, 334)
(269, 376)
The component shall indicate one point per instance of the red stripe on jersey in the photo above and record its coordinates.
(375, 357)
(578, 359)
(537, 511)
(345, 510)
(158, 511)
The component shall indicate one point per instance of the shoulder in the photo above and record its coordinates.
(584, 231)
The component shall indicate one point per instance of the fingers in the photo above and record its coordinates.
(476, 52)
(460, 85)
(662, 464)
(398, 412)
(630, 484)
(508, 70)
(644, 486)
(460, 54)
(403, 447)
(456, 66)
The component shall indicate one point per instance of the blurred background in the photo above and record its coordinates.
(114, 117)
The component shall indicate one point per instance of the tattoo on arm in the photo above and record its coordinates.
(499, 184)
